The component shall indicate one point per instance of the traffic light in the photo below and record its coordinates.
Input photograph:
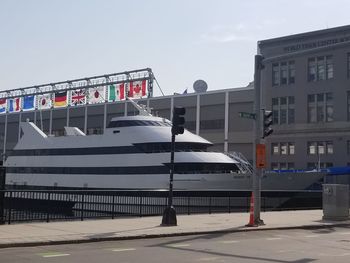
(178, 120)
(267, 122)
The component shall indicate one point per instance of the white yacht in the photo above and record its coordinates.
(132, 153)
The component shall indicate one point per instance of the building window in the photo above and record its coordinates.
(348, 65)
(320, 68)
(319, 165)
(320, 107)
(348, 105)
(274, 166)
(283, 73)
(282, 166)
(329, 67)
(291, 148)
(320, 148)
(275, 74)
(283, 148)
(291, 73)
(275, 149)
(283, 110)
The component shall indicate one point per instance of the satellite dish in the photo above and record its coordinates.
(200, 86)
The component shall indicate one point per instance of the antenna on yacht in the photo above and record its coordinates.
(143, 109)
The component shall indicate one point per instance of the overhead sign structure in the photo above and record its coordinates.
(260, 156)
(135, 84)
(247, 115)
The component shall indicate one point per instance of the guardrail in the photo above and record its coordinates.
(53, 205)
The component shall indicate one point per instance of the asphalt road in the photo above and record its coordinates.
(302, 246)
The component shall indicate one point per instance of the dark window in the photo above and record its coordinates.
(275, 74)
(283, 73)
(320, 165)
(291, 72)
(283, 110)
(129, 123)
(348, 65)
(320, 107)
(329, 67)
(320, 68)
(165, 147)
(311, 69)
(348, 106)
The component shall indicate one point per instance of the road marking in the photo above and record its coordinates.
(123, 249)
(179, 245)
(53, 254)
(344, 233)
(312, 236)
(229, 241)
(273, 238)
(208, 259)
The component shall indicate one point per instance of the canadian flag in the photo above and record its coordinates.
(137, 89)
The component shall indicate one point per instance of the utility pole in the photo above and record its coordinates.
(257, 139)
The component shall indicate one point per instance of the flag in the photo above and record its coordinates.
(137, 89)
(96, 95)
(14, 105)
(60, 99)
(3, 105)
(116, 92)
(28, 102)
(78, 97)
(44, 101)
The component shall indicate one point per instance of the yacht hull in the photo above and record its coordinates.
(225, 181)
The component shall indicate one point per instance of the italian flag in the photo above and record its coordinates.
(116, 92)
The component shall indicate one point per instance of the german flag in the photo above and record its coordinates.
(60, 99)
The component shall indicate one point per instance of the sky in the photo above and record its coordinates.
(45, 41)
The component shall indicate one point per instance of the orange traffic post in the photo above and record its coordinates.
(251, 216)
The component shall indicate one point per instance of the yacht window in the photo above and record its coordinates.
(129, 123)
(179, 147)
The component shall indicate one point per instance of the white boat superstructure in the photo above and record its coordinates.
(132, 153)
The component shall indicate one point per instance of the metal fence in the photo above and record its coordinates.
(53, 205)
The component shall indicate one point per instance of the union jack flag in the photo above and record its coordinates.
(78, 97)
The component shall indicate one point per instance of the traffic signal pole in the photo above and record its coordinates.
(172, 166)
(257, 173)
(178, 121)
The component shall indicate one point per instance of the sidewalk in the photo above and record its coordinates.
(129, 228)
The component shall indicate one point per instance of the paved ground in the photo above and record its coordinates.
(130, 228)
(293, 245)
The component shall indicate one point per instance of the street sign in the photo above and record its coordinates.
(246, 115)
(260, 156)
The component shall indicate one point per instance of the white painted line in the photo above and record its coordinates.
(208, 259)
(229, 241)
(179, 245)
(54, 255)
(273, 238)
(123, 249)
(312, 236)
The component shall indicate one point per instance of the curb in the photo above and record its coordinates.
(103, 239)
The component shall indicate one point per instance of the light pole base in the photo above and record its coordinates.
(169, 217)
